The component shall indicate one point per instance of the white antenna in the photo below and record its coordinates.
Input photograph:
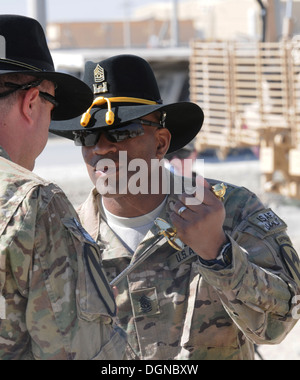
(289, 9)
(288, 22)
(37, 10)
(174, 25)
(127, 28)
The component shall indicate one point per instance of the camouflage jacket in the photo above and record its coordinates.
(51, 308)
(174, 307)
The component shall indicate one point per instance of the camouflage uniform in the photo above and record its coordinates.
(51, 307)
(174, 307)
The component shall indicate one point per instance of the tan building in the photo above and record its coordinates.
(100, 35)
(213, 19)
(151, 25)
(228, 19)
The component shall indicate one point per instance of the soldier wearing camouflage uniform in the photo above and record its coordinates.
(55, 302)
(232, 284)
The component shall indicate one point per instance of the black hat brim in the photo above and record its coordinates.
(73, 95)
(184, 120)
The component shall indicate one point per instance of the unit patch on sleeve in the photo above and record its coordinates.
(268, 222)
(290, 256)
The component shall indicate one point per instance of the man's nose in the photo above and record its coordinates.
(104, 146)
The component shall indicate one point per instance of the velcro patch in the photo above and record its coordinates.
(268, 222)
(145, 302)
(290, 256)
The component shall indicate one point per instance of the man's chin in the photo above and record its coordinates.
(110, 190)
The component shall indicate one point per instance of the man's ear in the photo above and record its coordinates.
(29, 104)
(163, 142)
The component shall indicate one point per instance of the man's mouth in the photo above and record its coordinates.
(106, 167)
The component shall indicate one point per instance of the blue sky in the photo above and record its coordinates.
(77, 10)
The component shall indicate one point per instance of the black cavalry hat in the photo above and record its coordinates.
(25, 51)
(125, 89)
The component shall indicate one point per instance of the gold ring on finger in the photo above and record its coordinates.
(220, 191)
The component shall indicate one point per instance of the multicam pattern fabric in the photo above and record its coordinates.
(50, 307)
(174, 307)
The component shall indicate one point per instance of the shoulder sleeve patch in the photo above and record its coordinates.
(290, 256)
(267, 221)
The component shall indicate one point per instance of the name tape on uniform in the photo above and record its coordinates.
(178, 258)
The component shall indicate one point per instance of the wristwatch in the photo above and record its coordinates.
(224, 259)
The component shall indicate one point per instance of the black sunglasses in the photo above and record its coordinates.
(126, 132)
(27, 86)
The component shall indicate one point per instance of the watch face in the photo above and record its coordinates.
(169, 233)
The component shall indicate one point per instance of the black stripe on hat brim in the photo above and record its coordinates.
(72, 94)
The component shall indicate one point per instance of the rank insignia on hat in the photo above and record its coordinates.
(99, 74)
(99, 77)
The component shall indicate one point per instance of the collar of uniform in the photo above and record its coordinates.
(90, 214)
(113, 245)
(113, 248)
(153, 232)
(4, 154)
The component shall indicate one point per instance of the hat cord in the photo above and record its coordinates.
(110, 116)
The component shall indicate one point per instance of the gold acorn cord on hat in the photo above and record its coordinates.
(110, 116)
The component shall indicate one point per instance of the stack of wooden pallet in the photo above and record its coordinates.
(250, 94)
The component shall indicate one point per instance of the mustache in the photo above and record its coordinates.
(106, 165)
(99, 160)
